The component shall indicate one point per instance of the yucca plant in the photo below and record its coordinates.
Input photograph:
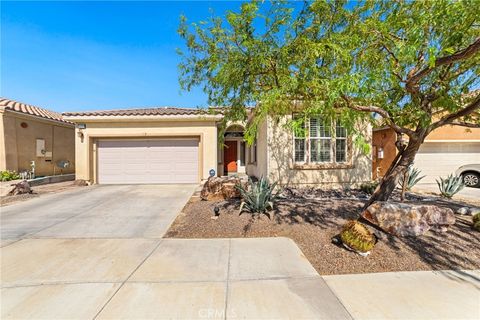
(412, 178)
(259, 197)
(450, 186)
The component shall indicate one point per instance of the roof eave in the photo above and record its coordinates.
(114, 118)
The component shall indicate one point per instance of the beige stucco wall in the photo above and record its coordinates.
(259, 168)
(454, 133)
(18, 145)
(280, 166)
(205, 130)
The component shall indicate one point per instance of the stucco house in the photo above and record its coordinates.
(179, 145)
(32, 134)
(443, 152)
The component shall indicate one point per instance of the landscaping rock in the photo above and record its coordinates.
(216, 188)
(229, 191)
(402, 219)
(80, 182)
(20, 188)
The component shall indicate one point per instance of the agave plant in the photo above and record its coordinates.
(412, 178)
(259, 197)
(450, 185)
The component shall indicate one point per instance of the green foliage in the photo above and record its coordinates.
(369, 187)
(476, 218)
(450, 186)
(412, 179)
(8, 175)
(356, 236)
(258, 197)
(406, 60)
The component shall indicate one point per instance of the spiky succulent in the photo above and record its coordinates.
(412, 178)
(450, 185)
(356, 236)
(259, 197)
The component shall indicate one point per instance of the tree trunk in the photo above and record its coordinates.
(398, 168)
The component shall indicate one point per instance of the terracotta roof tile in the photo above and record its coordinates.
(16, 106)
(156, 111)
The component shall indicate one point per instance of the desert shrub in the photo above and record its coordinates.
(356, 236)
(450, 185)
(413, 178)
(476, 221)
(258, 197)
(8, 175)
(369, 187)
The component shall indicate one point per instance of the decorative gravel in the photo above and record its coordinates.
(314, 225)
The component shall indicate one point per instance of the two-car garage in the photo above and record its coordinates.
(132, 161)
(161, 145)
(439, 159)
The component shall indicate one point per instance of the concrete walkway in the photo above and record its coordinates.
(260, 278)
(409, 295)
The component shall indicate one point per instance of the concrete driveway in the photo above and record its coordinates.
(124, 211)
(469, 194)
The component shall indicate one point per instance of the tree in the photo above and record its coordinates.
(412, 64)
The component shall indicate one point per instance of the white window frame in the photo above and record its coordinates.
(333, 145)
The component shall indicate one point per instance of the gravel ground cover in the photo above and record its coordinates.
(37, 191)
(314, 219)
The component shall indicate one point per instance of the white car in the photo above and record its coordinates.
(470, 174)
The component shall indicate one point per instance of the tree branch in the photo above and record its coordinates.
(465, 124)
(457, 56)
(467, 110)
(384, 113)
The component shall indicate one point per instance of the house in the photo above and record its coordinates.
(35, 136)
(179, 145)
(443, 152)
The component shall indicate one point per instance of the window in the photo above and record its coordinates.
(321, 142)
(242, 153)
(253, 152)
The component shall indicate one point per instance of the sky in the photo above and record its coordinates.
(73, 56)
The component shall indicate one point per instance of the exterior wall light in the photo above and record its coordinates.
(380, 154)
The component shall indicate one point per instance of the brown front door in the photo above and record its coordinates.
(230, 156)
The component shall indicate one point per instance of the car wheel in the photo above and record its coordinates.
(471, 179)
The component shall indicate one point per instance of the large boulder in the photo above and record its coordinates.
(219, 188)
(404, 219)
(20, 188)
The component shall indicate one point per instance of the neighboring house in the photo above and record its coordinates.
(443, 152)
(175, 145)
(32, 134)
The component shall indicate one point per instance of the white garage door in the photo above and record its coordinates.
(437, 159)
(147, 161)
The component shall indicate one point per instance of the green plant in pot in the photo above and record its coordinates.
(357, 237)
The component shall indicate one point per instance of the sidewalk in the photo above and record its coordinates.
(409, 295)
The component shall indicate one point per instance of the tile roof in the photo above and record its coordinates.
(16, 106)
(156, 111)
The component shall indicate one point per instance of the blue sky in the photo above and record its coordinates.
(69, 56)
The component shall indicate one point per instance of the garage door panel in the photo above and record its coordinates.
(439, 159)
(148, 161)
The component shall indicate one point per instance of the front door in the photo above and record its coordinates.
(230, 156)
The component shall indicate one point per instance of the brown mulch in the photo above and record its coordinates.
(314, 224)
